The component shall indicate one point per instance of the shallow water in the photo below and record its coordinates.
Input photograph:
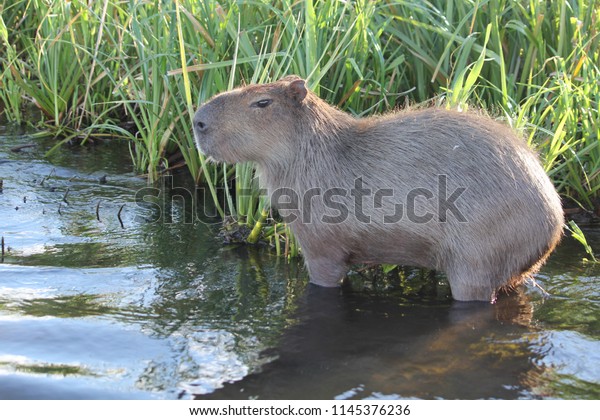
(92, 308)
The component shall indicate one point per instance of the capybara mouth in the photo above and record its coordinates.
(203, 144)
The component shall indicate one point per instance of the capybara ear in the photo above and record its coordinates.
(290, 78)
(297, 90)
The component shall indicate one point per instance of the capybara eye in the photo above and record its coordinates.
(263, 103)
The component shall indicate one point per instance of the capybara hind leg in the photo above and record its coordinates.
(467, 284)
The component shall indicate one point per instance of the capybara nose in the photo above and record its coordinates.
(200, 126)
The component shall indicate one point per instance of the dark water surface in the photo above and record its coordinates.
(93, 309)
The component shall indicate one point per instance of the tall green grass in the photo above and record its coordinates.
(137, 70)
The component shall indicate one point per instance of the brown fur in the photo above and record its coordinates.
(513, 215)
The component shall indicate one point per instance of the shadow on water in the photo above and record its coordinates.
(159, 308)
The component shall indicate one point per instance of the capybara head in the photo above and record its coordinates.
(251, 123)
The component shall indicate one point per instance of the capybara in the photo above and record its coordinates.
(440, 189)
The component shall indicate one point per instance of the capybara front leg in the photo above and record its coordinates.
(326, 271)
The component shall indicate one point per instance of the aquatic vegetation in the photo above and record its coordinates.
(124, 69)
(578, 235)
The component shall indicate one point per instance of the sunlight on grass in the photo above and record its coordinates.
(137, 71)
